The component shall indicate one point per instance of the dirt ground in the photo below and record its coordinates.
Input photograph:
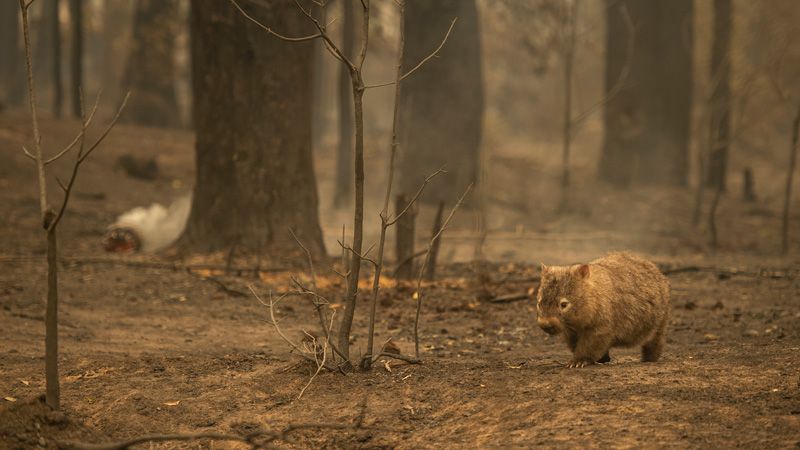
(155, 350)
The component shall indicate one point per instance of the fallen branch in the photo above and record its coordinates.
(400, 357)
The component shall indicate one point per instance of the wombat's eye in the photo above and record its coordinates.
(563, 304)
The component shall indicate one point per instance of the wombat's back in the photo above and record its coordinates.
(637, 296)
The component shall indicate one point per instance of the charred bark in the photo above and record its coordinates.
(252, 111)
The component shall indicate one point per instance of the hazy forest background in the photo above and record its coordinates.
(211, 270)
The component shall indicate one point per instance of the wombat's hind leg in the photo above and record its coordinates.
(605, 359)
(651, 350)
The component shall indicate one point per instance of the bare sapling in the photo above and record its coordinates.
(51, 216)
(354, 67)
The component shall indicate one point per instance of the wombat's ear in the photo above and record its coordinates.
(583, 270)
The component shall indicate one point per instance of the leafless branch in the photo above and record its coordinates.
(419, 64)
(273, 32)
(400, 357)
(320, 364)
(81, 157)
(84, 126)
(366, 362)
(310, 260)
(362, 256)
(415, 197)
(274, 322)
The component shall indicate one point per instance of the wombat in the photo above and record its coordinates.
(620, 300)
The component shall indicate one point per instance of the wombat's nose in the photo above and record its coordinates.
(549, 329)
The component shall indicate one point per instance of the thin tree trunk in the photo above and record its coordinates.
(358, 223)
(53, 389)
(343, 182)
(350, 300)
(76, 66)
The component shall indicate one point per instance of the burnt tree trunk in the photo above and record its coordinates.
(343, 183)
(252, 113)
(150, 69)
(11, 75)
(647, 122)
(76, 60)
(441, 105)
(720, 96)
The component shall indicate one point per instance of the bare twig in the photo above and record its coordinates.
(273, 32)
(320, 364)
(419, 64)
(85, 125)
(400, 357)
(425, 263)
(271, 306)
(414, 199)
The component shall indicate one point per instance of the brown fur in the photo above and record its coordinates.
(620, 300)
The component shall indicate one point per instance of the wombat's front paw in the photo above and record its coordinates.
(577, 364)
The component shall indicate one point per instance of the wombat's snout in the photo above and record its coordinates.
(548, 326)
